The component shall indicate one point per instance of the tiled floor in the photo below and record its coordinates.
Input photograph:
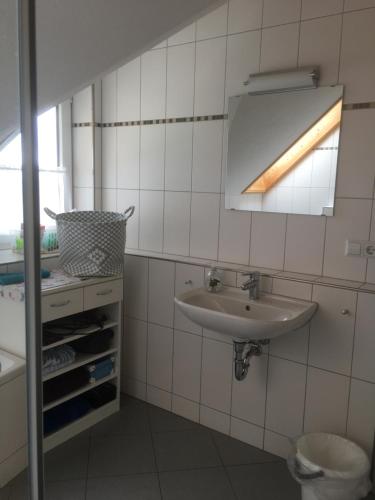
(145, 453)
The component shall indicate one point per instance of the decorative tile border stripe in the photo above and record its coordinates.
(187, 119)
(159, 121)
(358, 105)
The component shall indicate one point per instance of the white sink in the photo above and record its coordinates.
(232, 313)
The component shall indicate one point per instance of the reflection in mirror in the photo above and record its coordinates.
(282, 151)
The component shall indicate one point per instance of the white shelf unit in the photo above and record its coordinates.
(105, 296)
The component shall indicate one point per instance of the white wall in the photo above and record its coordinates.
(173, 173)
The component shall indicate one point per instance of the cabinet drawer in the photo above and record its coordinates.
(62, 304)
(102, 294)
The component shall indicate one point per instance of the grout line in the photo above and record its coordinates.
(340, 51)
(351, 364)
(299, 34)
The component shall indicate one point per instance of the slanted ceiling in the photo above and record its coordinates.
(81, 40)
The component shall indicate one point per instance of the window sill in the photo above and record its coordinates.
(9, 257)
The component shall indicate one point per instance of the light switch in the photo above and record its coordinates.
(353, 248)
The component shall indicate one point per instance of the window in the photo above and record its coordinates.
(52, 178)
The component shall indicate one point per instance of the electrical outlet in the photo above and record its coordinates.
(368, 249)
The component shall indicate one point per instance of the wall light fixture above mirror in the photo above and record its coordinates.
(282, 149)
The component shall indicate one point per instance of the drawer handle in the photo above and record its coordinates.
(60, 304)
(104, 292)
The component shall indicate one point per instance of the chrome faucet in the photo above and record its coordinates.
(252, 284)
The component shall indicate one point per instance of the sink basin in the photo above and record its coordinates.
(232, 313)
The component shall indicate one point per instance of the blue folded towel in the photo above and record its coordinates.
(16, 278)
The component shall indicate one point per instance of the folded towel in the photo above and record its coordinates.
(57, 358)
(14, 278)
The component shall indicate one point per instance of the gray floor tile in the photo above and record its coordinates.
(132, 419)
(136, 487)
(271, 481)
(120, 455)
(165, 421)
(5, 493)
(68, 461)
(235, 452)
(201, 484)
(185, 450)
(74, 489)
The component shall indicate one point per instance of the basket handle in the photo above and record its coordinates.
(50, 213)
(130, 211)
(303, 476)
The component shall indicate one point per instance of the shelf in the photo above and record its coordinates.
(83, 389)
(83, 333)
(82, 359)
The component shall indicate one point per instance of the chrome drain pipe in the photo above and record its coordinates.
(243, 351)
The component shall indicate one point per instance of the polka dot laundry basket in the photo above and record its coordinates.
(91, 243)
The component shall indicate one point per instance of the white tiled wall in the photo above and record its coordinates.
(173, 174)
(318, 378)
(177, 169)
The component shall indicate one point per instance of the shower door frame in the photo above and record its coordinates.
(30, 195)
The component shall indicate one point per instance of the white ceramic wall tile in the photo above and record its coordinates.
(249, 395)
(351, 221)
(185, 408)
(327, 396)
(356, 146)
(357, 64)
(370, 273)
(216, 375)
(83, 106)
(321, 169)
(152, 157)
(214, 419)
(158, 397)
(109, 200)
(135, 349)
(159, 356)
(178, 156)
(207, 148)
(185, 35)
(331, 333)
(246, 432)
(358, 4)
(280, 12)
(220, 337)
(362, 414)
(267, 240)
(128, 157)
(109, 157)
(210, 76)
(320, 8)
(136, 289)
(204, 225)
(83, 159)
(213, 24)
(279, 48)
(125, 199)
(187, 278)
(129, 91)
(364, 340)
(234, 236)
(304, 244)
(153, 84)
(134, 388)
(285, 397)
(83, 198)
(187, 358)
(151, 220)
(176, 223)
(244, 15)
(243, 55)
(322, 50)
(109, 97)
(292, 345)
(277, 444)
(180, 80)
(161, 278)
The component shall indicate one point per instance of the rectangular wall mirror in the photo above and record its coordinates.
(282, 151)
